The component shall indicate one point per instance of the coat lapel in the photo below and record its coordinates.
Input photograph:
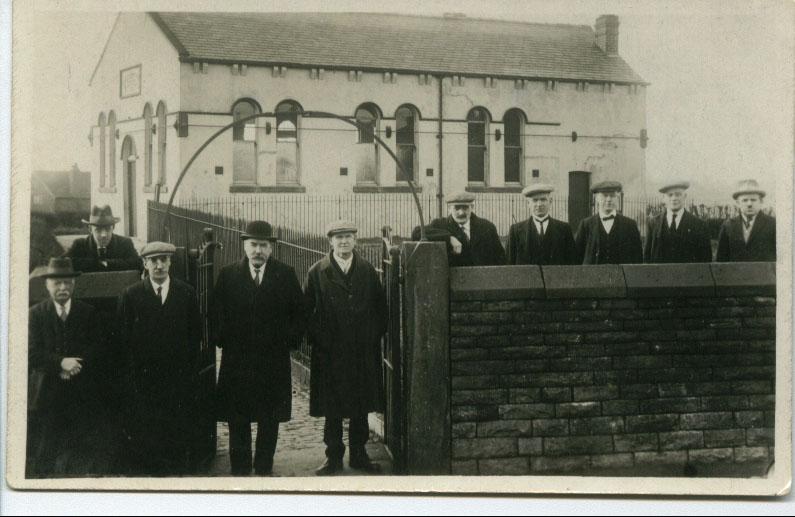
(335, 275)
(757, 228)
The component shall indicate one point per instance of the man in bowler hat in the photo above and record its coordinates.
(471, 240)
(347, 313)
(257, 310)
(159, 341)
(540, 239)
(676, 235)
(751, 236)
(103, 250)
(608, 237)
(66, 435)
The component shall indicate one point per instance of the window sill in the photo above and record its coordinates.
(107, 190)
(269, 189)
(375, 189)
(517, 189)
(151, 190)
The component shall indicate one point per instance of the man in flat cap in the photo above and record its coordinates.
(540, 239)
(159, 340)
(751, 236)
(257, 309)
(66, 434)
(676, 235)
(103, 250)
(348, 316)
(471, 240)
(608, 237)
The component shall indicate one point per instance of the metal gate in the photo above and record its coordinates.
(392, 355)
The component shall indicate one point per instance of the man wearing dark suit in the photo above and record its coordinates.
(540, 239)
(160, 334)
(257, 308)
(676, 236)
(103, 250)
(65, 340)
(471, 240)
(751, 236)
(608, 237)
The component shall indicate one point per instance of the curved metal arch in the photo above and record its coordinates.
(520, 111)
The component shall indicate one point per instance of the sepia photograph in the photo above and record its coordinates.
(446, 247)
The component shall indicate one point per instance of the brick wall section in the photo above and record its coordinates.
(545, 381)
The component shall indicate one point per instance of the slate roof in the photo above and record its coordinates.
(398, 43)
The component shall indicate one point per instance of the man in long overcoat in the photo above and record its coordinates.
(751, 236)
(540, 239)
(347, 313)
(160, 344)
(103, 250)
(257, 308)
(471, 240)
(676, 236)
(66, 431)
(608, 237)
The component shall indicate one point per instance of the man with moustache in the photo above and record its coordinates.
(257, 309)
(348, 316)
(540, 239)
(160, 345)
(608, 237)
(65, 340)
(676, 236)
(471, 240)
(103, 250)
(751, 236)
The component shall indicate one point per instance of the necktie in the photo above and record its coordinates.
(103, 252)
(160, 294)
(609, 217)
(673, 220)
(256, 277)
(464, 230)
(63, 314)
(747, 222)
(541, 225)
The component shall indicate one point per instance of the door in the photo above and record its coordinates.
(128, 158)
(579, 197)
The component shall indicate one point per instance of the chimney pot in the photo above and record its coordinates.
(607, 34)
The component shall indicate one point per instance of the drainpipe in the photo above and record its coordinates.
(440, 189)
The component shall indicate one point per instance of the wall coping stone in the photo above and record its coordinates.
(668, 280)
(496, 283)
(744, 278)
(603, 281)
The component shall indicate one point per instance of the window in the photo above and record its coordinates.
(287, 113)
(246, 130)
(477, 159)
(406, 140)
(102, 155)
(147, 145)
(161, 143)
(368, 116)
(112, 149)
(513, 122)
(287, 145)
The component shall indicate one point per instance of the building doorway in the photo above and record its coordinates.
(128, 159)
(579, 197)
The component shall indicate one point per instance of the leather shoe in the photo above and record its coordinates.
(330, 467)
(364, 464)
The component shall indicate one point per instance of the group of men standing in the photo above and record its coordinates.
(147, 362)
(607, 237)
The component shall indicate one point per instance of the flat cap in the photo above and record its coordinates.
(748, 187)
(537, 188)
(157, 248)
(607, 186)
(461, 198)
(684, 185)
(341, 226)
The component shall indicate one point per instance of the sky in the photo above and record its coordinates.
(719, 107)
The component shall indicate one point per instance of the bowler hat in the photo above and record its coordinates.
(340, 226)
(59, 267)
(157, 249)
(606, 186)
(684, 185)
(259, 230)
(537, 188)
(461, 198)
(101, 216)
(748, 187)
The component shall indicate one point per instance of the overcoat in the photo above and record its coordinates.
(482, 248)
(160, 350)
(525, 245)
(347, 318)
(761, 245)
(120, 255)
(256, 327)
(689, 243)
(69, 413)
(624, 235)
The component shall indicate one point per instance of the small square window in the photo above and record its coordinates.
(429, 173)
(343, 171)
(219, 171)
(536, 173)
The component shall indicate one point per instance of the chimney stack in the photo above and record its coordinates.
(607, 33)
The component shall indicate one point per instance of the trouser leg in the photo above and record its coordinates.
(267, 436)
(240, 444)
(332, 437)
(358, 434)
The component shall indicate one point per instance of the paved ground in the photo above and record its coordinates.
(300, 449)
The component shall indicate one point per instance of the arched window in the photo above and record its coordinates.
(288, 115)
(112, 149)
(368, 116)
(406, 141)
(478, 150)
(102, 157)
(161, 143)
(242, 109)
(513, 122)
(147, 145)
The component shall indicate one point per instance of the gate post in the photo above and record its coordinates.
(426, 295)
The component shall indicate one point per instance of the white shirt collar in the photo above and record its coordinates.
(67, 307)
(344, 264)
(607, 225)
(165, 285)
(669, 214)
(253, 270)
